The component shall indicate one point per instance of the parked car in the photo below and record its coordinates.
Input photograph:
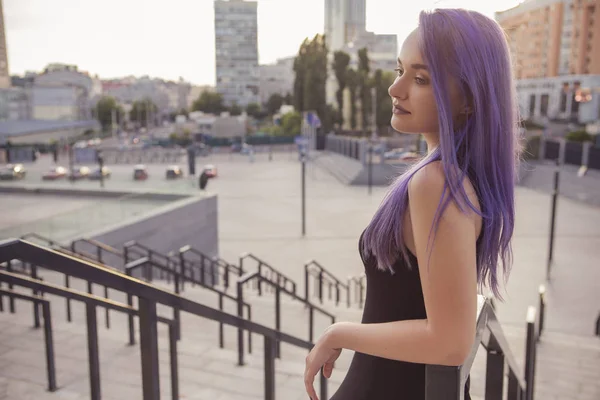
(54, 173)
(210, 170)
(140, 173)
(12, 172)
(79, 173)
(96, 173)
(174, 172)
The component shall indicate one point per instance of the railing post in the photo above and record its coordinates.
(36, 309)
(240, 305)
(50, 366)
(277, 318)
(259, 282)
(130, 316)
(176, 312)
(93, 353)
(67, 285)
(249, 332)
(323, 386)
(173, 337)
(182, 270)
(11, 300)
(443, 383)
(270, 354)
(202, 271)
(221, 336)
(494, 379)
(311, 321)
(321, 286)
(306, 290)
(542, 307)
(514, 390)
(530, 352)
(149, 349)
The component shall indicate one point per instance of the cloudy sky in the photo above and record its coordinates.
(173, 38)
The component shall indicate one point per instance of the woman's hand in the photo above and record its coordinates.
(322, 355)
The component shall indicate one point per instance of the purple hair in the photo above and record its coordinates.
(472, 49)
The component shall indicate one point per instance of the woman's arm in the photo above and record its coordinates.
(449, 283)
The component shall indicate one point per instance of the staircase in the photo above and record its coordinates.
(205, 363)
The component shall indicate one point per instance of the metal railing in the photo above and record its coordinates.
(92, 303)
(357, 283)
(269, 273)
(448, 383)
(149, 297)
(218, 267)
(133, 248)
(321, 276)
(145, 263)
(256, 276)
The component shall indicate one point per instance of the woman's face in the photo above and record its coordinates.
(414, 106)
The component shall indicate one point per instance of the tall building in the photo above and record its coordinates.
(236, 27)
(345, 20)
(555, 46)
(4, 75)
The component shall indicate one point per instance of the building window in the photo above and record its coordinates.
(544, 105)
(531, 105)
(563, 98)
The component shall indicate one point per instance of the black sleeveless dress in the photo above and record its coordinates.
(390, 297)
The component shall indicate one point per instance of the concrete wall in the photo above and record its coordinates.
(190, 221)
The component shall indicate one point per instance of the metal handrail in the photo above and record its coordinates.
(322, 274)
(448, 382)
(178, 278)
(149, 297)
(99, 245)
(91, 301)
(221, 265)
(279, 276)
(278, 289)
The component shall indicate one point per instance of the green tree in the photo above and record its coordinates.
(254, 110)
(209, 102)
(104, 112)
(274, 103)
(352, 82)
(310, 67)
(142, 110)
(291, 123)
(364, 87)
(341, 60)
(382, 81)
(235, 110)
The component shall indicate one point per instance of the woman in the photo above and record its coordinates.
(445, 225)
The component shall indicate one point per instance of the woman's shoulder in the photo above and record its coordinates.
(431, 181)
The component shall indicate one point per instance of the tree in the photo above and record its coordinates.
(274, 103)
(364, 87)
(142, 110)
(352, 81)
(255, 111)
(288, 99)
(310, 67)
(235, 110)
(341, 60)
(382, 81)
(104, 112)
(209, 102)
(291, 123)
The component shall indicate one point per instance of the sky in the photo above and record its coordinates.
(175, 38)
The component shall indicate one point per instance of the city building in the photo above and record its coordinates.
(345, 20)
(14, 104)
(277, 78)
(236, 41)
(222, 126)
(4, 75)
(555, 46)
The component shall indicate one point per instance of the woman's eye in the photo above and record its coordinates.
(399, 71)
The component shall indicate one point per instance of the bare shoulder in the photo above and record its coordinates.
(428, 184)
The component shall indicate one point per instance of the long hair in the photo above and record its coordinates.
(472, 49)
